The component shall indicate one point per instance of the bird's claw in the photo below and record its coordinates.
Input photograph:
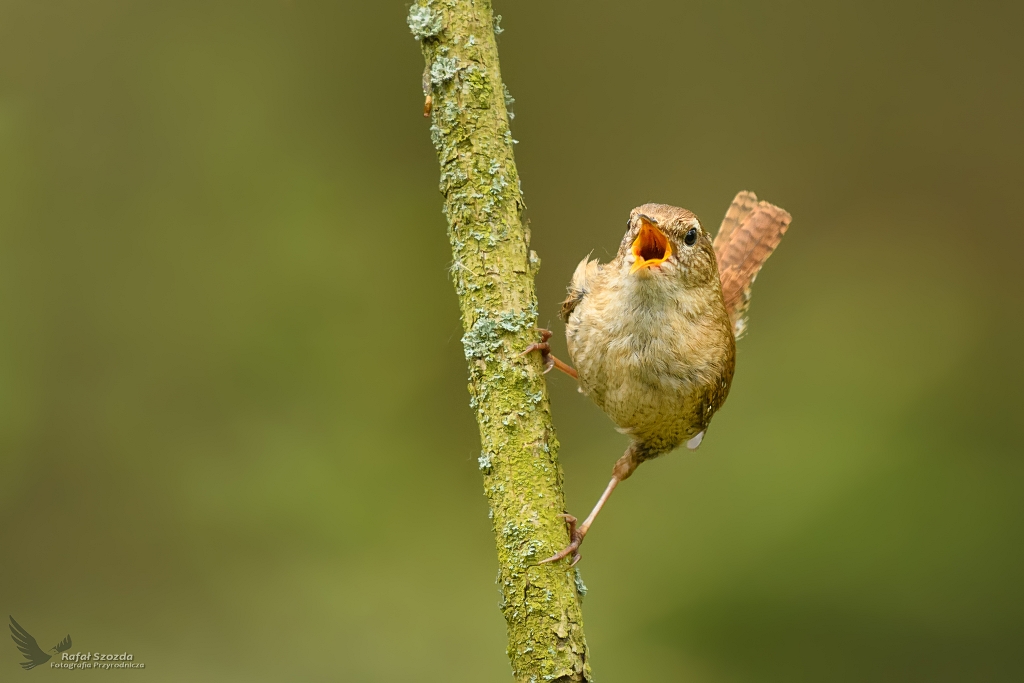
(544, 348)
(575, 539)
(545, 354)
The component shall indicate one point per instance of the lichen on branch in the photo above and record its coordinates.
(493, 272)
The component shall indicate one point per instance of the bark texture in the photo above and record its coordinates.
(493, 271)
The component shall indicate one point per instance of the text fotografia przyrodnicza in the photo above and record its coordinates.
(97, 660)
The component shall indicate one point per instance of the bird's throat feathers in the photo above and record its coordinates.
(653, 292)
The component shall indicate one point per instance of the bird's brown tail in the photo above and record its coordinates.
(749, 234)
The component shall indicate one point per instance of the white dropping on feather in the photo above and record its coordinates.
(695, 441)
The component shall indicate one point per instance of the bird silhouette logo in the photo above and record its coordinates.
(30, 648)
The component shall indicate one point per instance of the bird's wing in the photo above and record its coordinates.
(63, 645)
(748, 236)
(28, 646)
(578, 287)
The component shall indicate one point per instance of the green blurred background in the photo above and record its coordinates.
(234, 433)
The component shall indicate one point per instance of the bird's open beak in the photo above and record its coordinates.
(651, 247)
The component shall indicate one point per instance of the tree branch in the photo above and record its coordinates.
(493, 271)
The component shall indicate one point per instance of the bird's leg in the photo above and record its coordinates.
(545, 353)
(624, 467)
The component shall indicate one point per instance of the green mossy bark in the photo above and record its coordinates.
(493, 271)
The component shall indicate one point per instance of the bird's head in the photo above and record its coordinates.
(664, 241)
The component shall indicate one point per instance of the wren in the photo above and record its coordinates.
(652, 334)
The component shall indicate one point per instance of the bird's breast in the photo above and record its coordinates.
(652, 357)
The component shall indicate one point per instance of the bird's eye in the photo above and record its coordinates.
(691, 237)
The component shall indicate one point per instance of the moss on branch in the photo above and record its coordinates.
(493, 271)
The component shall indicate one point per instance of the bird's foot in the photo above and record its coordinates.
(544, 348)
(547, 357)
(575, 539)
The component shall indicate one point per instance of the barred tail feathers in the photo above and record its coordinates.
(750, 232)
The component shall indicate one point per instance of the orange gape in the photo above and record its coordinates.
(651, 247)
(749, 234)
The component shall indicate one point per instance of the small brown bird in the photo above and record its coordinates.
(653, 333)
